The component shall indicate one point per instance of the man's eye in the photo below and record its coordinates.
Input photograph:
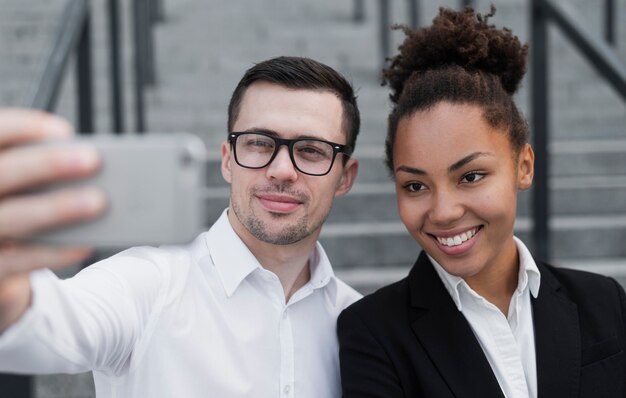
(259, 143)
(472, 177)
(311, 150)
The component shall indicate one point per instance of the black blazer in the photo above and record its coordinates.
(409, 340)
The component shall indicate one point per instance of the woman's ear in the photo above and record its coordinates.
(525, 167)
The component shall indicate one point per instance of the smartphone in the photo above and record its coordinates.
(154, 185)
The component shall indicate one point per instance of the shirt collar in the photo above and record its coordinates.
(529, 272)
(234, 261)
(231, 257)
(322, 274)
(529, 275)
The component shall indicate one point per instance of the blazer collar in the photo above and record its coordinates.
(447, 337)
(557, 339)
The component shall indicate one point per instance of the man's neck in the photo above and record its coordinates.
(289, 262)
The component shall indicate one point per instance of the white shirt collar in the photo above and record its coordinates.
(234, 261)
(529, 275)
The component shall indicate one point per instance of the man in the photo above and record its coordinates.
(246, 310)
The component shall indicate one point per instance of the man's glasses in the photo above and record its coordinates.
(310, 156)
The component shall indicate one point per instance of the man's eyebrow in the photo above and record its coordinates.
(455, 166)
(260, 130)
(274, 133)
(460, 163)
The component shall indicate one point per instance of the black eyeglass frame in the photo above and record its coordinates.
(337, 148)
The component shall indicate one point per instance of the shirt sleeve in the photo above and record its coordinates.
(92, 321)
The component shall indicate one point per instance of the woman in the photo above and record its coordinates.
(477, 316)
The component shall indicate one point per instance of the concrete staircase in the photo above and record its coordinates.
(370, 247)
(204, 46)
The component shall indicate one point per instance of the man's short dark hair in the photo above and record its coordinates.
(301, 73)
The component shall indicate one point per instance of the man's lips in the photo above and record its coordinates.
(279, 203)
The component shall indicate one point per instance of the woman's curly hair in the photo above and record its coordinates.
(460, 58)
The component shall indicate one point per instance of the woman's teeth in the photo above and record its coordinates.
(457, 239)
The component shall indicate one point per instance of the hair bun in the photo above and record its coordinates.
(461, 38)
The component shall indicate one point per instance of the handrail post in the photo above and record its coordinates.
(609, 21)
(139, 67)
(467, 3)
(117, 94)
(384, 29)
(413, 13)
(15, 386)
(540, 129)
(158, 11)
(359, 11)
(84, 77)
(148, 40)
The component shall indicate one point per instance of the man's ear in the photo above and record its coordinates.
(525, 167)
(348, 176)
(226, 161)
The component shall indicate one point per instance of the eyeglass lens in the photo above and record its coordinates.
(310, 156)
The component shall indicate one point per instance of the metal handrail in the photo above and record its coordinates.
(73, 33)
(384, 24)
(600, 55)
(74, 37)
(605, 62)
(597, 52)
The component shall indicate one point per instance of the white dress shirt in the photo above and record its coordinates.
(204, 320)
(508, 342)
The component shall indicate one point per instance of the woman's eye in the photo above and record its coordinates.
(472, 177)
(414, 187)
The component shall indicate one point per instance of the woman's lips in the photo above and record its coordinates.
(457, 244)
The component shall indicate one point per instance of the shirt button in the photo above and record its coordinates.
(287, 389)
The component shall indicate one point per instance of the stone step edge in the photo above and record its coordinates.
(557, 223)
(614, 267)
(613, 145)
(598, 145)
(387, 187)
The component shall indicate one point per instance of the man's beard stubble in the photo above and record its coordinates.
(286, 236)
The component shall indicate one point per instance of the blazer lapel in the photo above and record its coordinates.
(447, 337)
(557, 339)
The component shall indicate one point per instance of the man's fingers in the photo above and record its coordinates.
(16, 258)
(20, 126)
(30, 166)
(23, 216)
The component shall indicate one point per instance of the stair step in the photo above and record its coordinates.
(378, 244)
(368, 280)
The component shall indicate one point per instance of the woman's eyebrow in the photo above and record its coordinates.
(411, 170)
(454, 167)
(460, 163)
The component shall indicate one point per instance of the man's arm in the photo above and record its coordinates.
(366, 371)
(24, 168)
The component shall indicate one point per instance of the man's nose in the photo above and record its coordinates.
(282, 168)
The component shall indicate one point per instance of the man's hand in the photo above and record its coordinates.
(24, 168)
